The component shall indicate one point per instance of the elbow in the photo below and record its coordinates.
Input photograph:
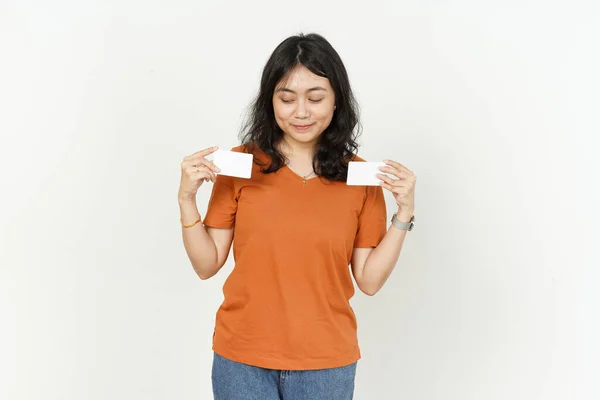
(369, 291)
(367, 288)
(204, 277)
(204, 274)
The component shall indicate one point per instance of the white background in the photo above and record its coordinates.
(494, 105)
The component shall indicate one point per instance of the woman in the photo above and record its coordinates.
(286, 329)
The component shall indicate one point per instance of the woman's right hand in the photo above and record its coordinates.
(195, 170)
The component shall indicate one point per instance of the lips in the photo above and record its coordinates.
(302, 127)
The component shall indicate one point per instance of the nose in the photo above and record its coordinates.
(301, 111)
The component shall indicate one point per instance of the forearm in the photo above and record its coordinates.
(198, 244)
(381, 261)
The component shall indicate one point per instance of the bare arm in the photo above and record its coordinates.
(206, 247)
(372, 266)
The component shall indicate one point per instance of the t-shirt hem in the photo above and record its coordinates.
(290, 365)
(212, 224)
(363, 244)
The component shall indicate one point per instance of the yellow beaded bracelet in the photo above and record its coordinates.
(189, 226)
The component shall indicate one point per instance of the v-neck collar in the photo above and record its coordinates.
(304, 181)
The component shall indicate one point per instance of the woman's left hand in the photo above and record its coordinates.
(403, 188)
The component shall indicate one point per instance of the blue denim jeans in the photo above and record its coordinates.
(232, 380)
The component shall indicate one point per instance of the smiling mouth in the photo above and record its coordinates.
(302, 127)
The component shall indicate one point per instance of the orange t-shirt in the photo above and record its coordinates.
(286, 302)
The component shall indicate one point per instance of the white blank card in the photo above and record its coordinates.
(363, 173)
(233, 163)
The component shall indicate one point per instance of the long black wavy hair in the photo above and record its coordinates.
(337, 144)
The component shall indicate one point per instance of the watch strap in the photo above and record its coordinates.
(404, 226)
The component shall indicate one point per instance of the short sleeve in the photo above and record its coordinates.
(372, 221)
(222, 205)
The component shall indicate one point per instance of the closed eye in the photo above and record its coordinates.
(311, 100)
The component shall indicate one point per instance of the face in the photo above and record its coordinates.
(303, 105)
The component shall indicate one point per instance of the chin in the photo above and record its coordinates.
(304, 138)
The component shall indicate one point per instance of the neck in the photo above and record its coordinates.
(293, 149)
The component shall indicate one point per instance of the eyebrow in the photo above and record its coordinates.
(312, 89)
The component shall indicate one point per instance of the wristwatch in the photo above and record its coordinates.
(404, 226)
